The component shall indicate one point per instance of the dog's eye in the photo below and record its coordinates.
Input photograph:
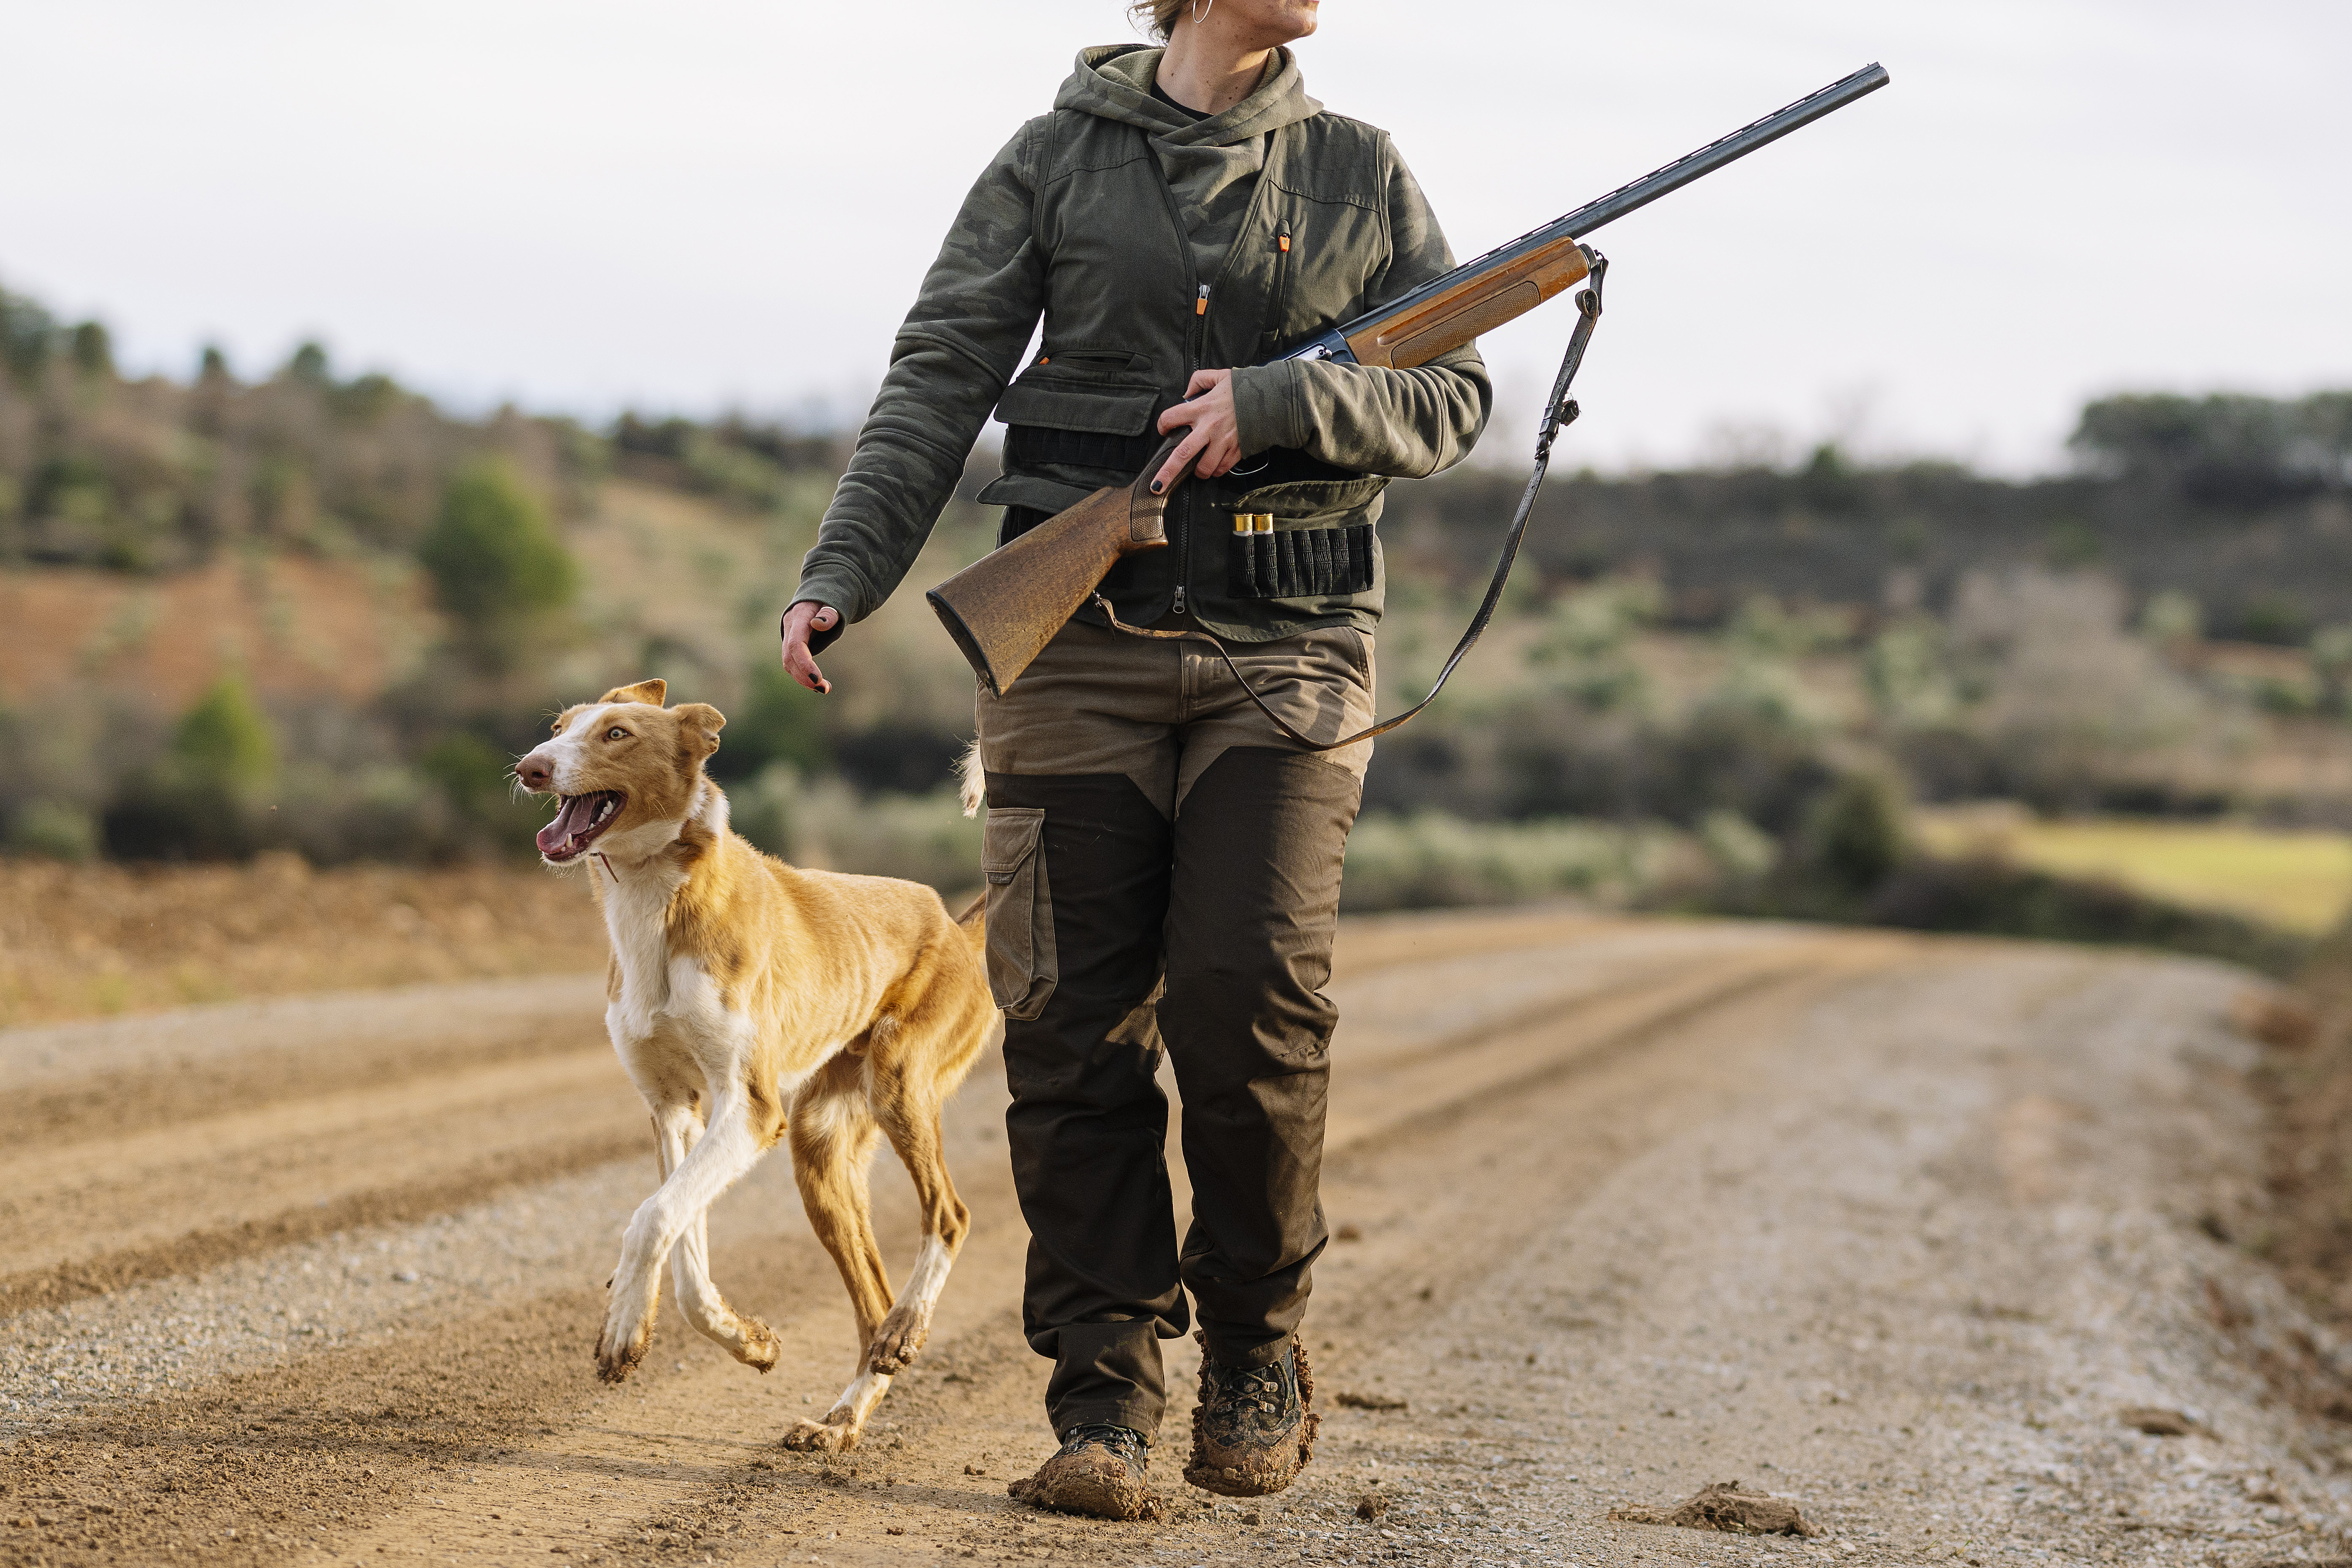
(616, 733)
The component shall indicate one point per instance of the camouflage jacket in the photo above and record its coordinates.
(1077, 219)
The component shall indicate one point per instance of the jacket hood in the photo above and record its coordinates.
(1115, 82)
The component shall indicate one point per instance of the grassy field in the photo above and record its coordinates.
(2298, 881)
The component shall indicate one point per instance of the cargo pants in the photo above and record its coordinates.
(1163, 876)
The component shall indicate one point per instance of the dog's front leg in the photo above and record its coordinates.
(747, 1339)
(709, 1165)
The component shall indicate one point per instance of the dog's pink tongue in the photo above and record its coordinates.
(570, 820)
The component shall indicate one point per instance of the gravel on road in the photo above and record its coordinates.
(1897, 1229)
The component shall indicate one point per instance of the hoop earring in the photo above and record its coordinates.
(1201, 12)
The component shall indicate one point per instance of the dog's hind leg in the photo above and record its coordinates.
(749, 1340)
(726, 1148)
(832, 1138)
(905, 1091)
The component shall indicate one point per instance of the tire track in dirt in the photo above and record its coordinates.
(192, 1251)
(685, 1454)
(66, 1081)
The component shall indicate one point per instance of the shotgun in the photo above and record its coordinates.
(1004, 608)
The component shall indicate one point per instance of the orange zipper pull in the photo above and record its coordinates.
(1283, 240)
(1200, 306)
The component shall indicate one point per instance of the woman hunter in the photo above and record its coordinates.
(1163, 866)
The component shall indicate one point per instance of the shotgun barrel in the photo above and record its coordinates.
(1559, 236)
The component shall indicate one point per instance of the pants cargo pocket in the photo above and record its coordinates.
(1022, 971)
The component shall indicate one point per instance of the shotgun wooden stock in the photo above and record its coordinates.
(1003, 609)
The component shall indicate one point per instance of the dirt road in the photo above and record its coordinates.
(1897, 1229)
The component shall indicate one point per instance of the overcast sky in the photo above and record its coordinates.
(701, 205)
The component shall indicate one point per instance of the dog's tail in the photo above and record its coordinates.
(974, 919)
(974, 779)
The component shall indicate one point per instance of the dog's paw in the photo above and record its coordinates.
(899, 1342)
(836, 1433)
(760, 1349)
(618, 1353)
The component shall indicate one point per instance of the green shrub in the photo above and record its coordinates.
(1738, 849)
(1909, 677)
(1431, 861)
(777, 722)
(376, 811)
(825, 826)
(1988, 895)
(92, 348)
(496, 562)
(1854, 835)
(226, 742)
(309, 363)
(478, 781)
(28, 335)
(54, 830)
(2331, 662)
(2171, 618)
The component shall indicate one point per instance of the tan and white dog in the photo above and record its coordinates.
(750, 1001)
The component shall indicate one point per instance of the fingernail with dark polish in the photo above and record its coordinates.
(1157, 487)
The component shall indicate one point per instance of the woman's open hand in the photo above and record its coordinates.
(1216, 432)
(803, 618)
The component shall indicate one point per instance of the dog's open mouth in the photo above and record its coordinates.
(576, 826)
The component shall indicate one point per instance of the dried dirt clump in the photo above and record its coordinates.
(2156, 1421)
(1353, 1400)
(1728, 1507)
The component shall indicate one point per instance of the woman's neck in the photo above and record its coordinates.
(1208, 67)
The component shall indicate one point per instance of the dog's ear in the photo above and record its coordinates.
(651, 692)
(698, 724)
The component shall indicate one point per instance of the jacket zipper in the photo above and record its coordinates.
(1281, 283)
(1192, 341)
(1199, 349)
(1196, 345)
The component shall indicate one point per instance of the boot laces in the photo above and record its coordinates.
(1124, 1441)
(1260, 1386)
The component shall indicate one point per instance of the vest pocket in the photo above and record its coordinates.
(1106, 407)
(1022, 967)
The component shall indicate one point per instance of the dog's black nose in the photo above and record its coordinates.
(535, 772)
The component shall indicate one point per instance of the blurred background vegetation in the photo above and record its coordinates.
(307, 613)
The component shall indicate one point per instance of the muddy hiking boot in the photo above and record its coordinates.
(1253, 1431)
(1099, 1472)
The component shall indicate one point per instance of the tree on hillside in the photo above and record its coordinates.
(210, 796)
(2225, 449)
(497, 565)
(310, 364)
(28, 334)
(226, 742)
(93, 349)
